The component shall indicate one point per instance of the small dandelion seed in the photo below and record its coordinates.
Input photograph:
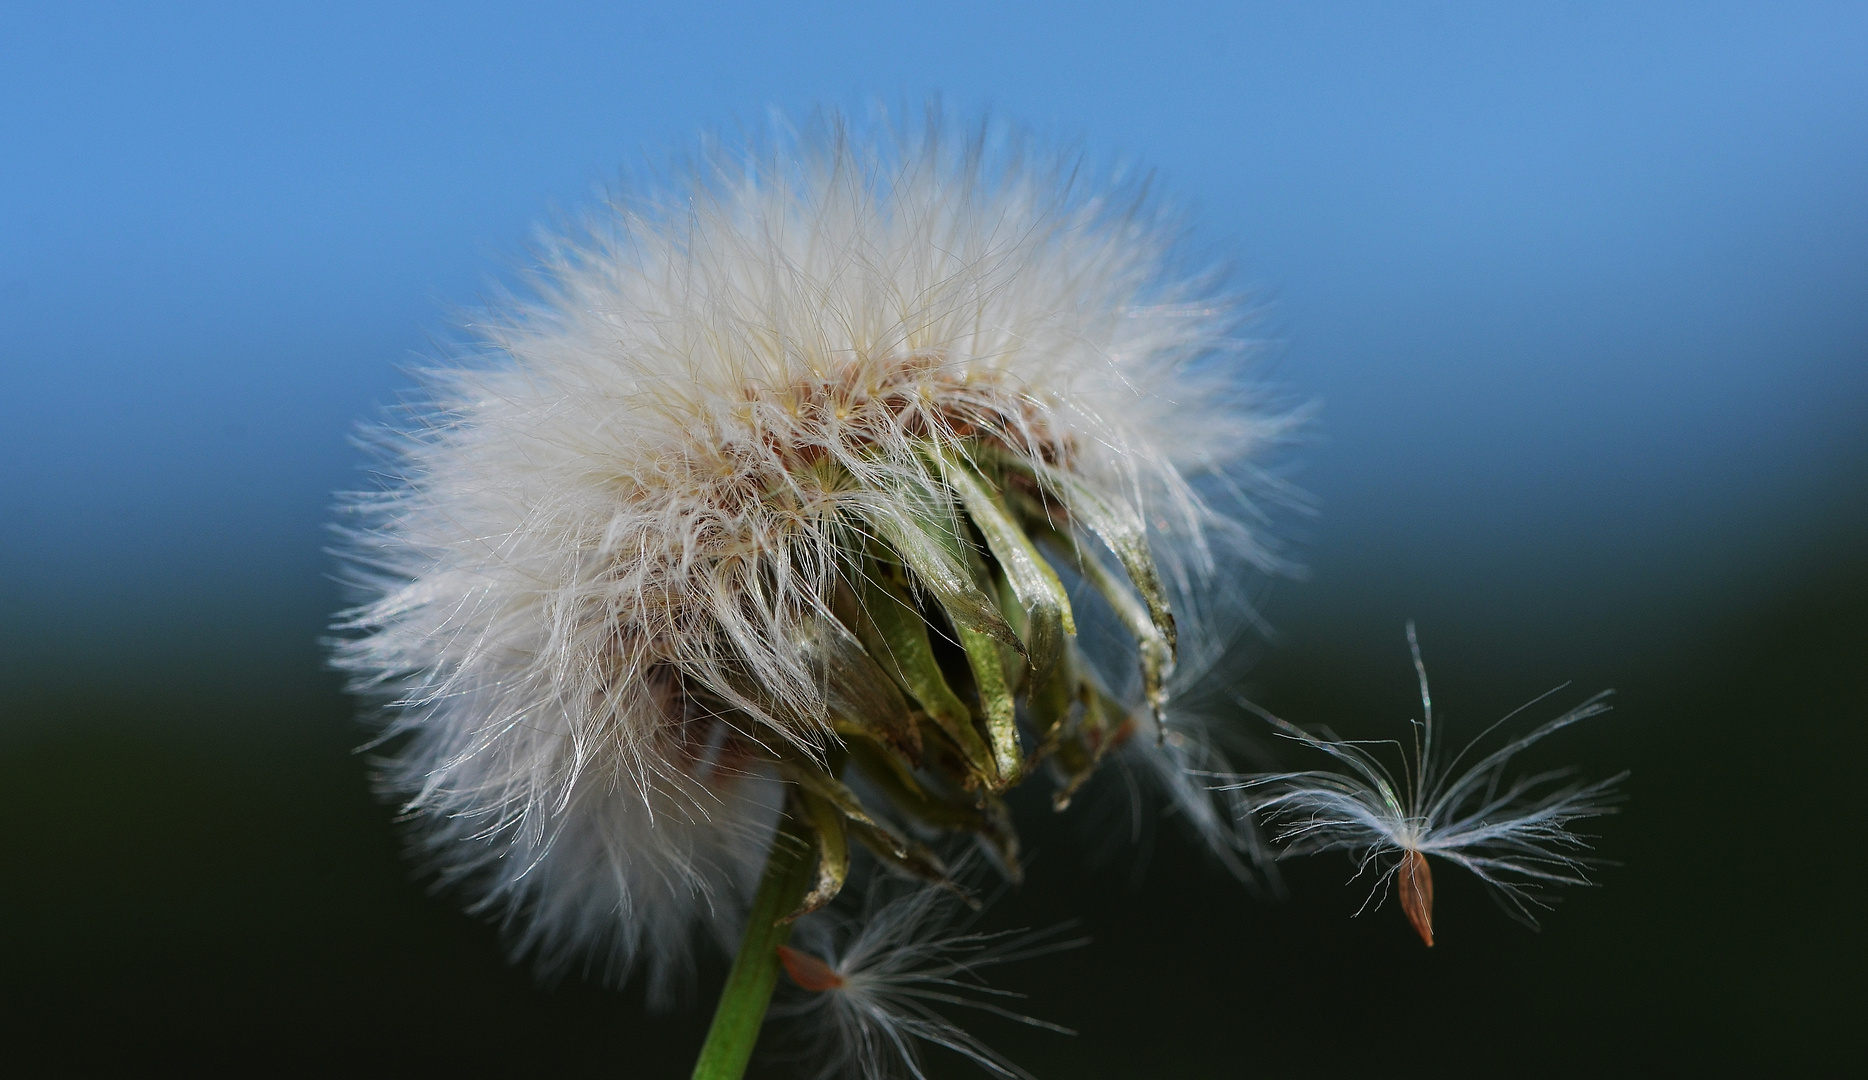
(874, 981)
(1513, 835)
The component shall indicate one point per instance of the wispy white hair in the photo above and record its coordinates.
(1167, 767)
(590, 578)
(1514, 835)
(889, 977)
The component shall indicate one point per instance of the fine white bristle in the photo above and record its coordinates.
(892, 969)
(1513, 834)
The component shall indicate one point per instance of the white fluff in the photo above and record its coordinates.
(1515, 836)
(895, 966)
(614, 499)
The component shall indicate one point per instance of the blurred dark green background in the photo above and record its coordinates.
(199, 878)
(1582, 289)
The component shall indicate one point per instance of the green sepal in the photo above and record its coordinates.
(1102, 726)
(1047, 705)
(920, 531)
(909, 856)
(994, 685)
(1146, 616)
(996, 704)
(833, 852)
(892, 628)
(1040, 594)
(1155, 649)
(1001, 836)
(858, 691)
(1122, 530)
(988, 817)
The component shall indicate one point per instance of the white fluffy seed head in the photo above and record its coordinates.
(619, 518)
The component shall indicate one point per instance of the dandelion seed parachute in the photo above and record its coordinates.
(774, 475)
(1515, 836)
(874, 987)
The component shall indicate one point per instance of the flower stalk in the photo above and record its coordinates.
(741, 1009)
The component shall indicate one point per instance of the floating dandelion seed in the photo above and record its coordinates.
(1515, 836)
(872, 986)
(741, 543)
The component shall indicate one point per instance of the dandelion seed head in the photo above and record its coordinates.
(595, 582)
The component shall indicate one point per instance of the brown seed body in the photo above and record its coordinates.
(808, 971)
(1416, 887)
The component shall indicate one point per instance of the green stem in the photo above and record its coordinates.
(741, 1011)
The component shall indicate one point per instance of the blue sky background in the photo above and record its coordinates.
(1582, 288)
